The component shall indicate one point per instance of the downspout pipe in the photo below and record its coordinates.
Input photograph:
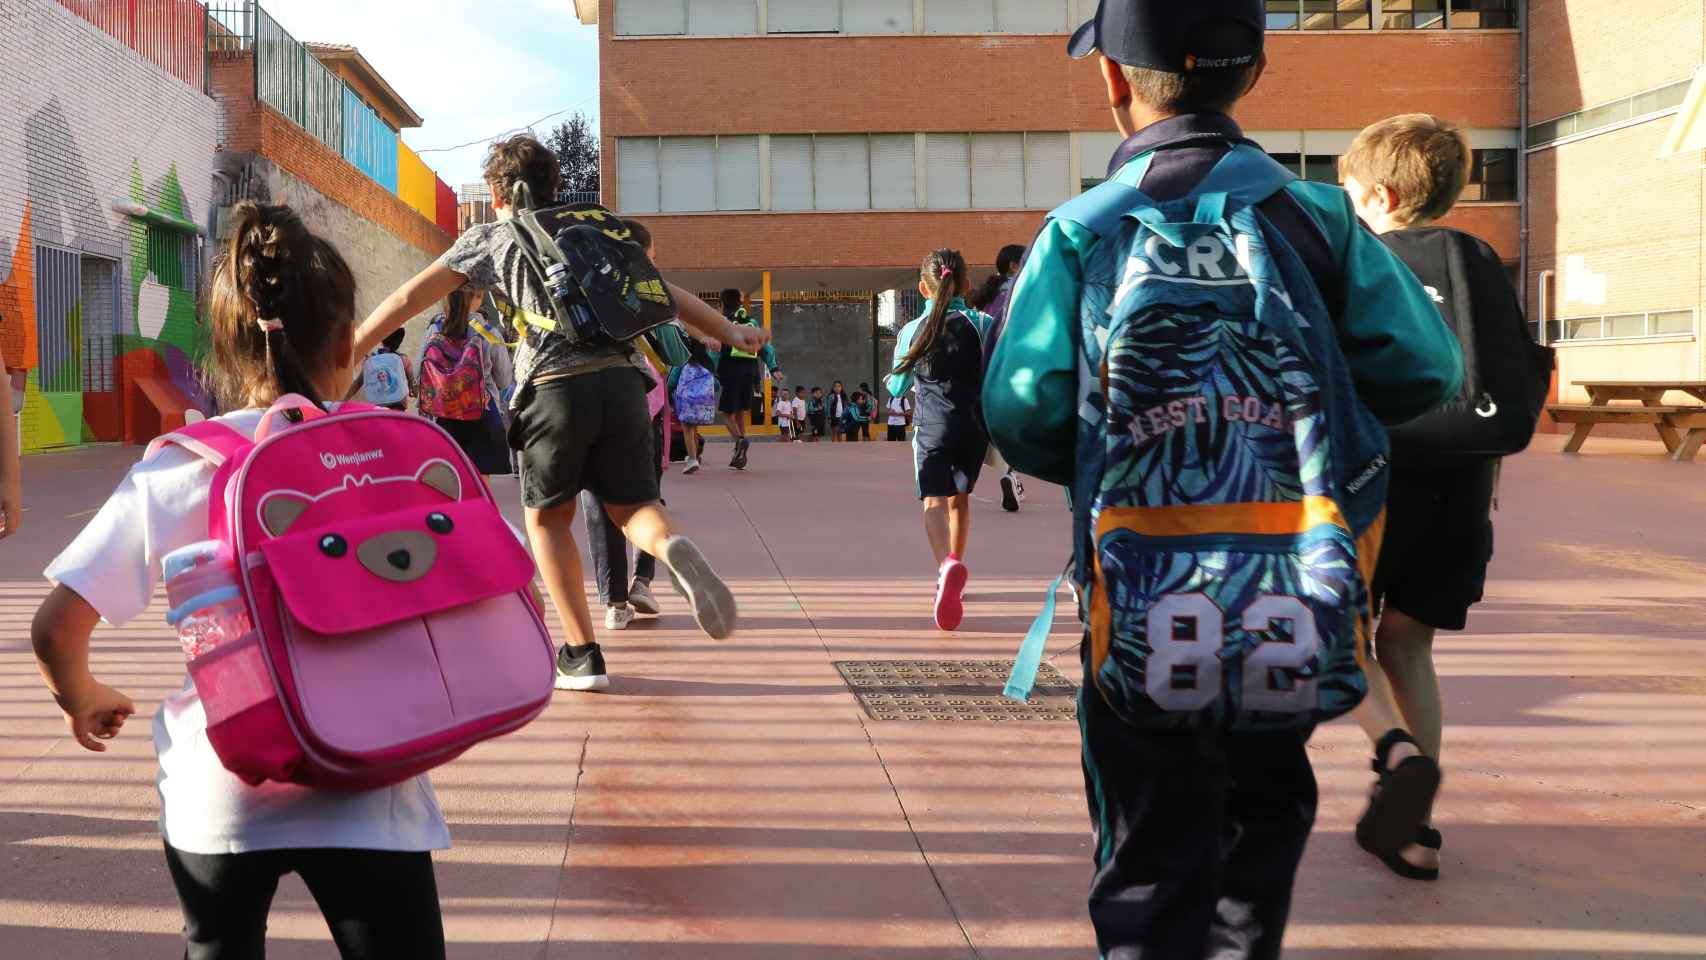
(1522, 158)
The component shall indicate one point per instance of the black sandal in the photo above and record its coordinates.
(1403, 797)
(1425, 837)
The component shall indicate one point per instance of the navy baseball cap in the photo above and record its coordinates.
(1175, 36)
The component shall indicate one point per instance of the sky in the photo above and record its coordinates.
(472, 69)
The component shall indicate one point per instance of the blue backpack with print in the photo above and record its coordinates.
(1229, 488)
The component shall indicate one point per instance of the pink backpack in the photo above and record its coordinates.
(394, 624)
(452, 380)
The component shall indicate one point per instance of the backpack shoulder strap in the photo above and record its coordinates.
(1244, 175)
(210, 440)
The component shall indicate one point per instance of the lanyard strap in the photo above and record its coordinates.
(1023, 678)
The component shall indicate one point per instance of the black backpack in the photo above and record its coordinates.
(1506, 375)
(601, 283)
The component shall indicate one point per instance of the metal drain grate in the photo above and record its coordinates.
(954, 690)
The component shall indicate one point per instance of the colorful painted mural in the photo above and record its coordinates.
(101, 187)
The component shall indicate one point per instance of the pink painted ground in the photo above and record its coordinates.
(730, 802)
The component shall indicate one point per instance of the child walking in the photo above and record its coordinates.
(462, 377)
(1217, 418)
(940, 355)
(580, 414)
(280, 309)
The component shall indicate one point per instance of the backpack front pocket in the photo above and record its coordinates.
(1239, 616)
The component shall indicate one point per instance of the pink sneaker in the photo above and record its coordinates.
(950, 584)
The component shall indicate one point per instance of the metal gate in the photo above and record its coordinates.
(100, 324)
(59, 292)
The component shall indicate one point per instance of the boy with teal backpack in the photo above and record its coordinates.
(1203, 350)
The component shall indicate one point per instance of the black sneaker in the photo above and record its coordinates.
(583, 670)
(739, 461)
(1009, 493)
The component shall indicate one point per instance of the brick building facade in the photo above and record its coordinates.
(832, 144)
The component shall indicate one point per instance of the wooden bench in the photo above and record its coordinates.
(1666, 420)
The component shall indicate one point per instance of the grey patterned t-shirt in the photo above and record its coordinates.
(489, 256)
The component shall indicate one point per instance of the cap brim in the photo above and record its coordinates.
(1083, 42)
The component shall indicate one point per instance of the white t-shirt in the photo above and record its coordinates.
(114, 564)
(799, 406)
(783, 414)
(898, 409)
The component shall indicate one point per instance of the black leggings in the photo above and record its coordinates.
(378, 903)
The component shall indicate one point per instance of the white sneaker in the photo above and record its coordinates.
(618, 617)
(692, 466)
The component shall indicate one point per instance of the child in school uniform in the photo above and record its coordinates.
(940, 355)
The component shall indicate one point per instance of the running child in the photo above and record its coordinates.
(1404, 173)
(1159, 388)
(940, 354)
(695, 403)
(740, 372)
(280, 310)
(580, 415)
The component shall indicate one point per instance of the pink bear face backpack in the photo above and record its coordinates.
(394, 627)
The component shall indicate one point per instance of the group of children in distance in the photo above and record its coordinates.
(1199, 829)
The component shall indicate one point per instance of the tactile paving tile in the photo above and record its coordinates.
(954, 690)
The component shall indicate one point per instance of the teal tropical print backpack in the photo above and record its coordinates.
(1230, 485)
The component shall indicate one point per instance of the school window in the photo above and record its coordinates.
(1319, 15)
(1492, 176)
(996, 16)
(1626, 326)
(687, 174)
(658, 18)
(1448, 14)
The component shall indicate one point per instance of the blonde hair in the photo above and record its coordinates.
(1419, 157)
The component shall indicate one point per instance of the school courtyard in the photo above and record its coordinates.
(733, 801)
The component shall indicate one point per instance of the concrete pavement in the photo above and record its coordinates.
(732, 802)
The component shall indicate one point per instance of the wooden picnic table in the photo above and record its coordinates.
(1649, 394)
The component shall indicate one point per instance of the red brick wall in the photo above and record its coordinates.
(901, 84)
(249, 126)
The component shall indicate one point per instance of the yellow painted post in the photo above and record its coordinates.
(769, 404)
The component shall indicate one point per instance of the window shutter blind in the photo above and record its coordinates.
(997, 170)
(1047, 156)
(876, 16)
(1095, 151)
(892, 172)
(804, 16)
(959, 16)
(790, 173)
(1030, 16)
(720, 17)
(687, 169)
(841, 173)
(737, 173)
(651, 18)
(947, 171)
(637, 174)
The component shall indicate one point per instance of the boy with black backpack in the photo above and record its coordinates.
(1200, 348)
(1403, 173)
(581, 421)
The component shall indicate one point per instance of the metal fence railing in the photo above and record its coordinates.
(167, 32)
(291, 80)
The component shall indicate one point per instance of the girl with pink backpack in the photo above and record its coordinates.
(375, 613)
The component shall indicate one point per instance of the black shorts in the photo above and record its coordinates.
(947, 461)
(739, 377)
(1439, 539)
(590, 431)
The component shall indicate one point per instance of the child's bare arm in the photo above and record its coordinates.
(427, 288)
(60, 635)
(11, 479)
(700, 316)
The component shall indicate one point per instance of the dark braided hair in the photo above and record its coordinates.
(944, 275)
(278, 306)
